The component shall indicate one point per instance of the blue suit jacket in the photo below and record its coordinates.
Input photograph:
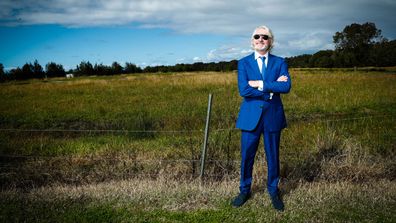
(255, 101)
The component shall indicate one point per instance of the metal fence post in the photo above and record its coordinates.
(205, 145)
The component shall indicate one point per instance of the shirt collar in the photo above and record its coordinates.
(257, 55)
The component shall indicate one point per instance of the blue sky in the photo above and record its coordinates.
(157, 32)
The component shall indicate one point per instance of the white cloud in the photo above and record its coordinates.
(227, 53)
(311, 41)
(142, 65)
(197, 59)
(181, 60)
(209, 16)
(299, 26)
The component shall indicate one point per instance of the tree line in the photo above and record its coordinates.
(356, 45)
(85, 68)
(52, 69)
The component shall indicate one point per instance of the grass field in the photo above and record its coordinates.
(127, 148)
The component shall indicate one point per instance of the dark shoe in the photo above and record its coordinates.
(277, 203)
(240, 200)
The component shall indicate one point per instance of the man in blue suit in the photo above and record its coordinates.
(262, 77)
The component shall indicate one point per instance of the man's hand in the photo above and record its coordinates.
(254, 84)
(282, 78)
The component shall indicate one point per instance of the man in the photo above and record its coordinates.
(262, 77)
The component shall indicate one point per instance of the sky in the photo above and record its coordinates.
(168, 32)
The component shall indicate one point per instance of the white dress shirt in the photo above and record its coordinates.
(259, 61)
(258, 56)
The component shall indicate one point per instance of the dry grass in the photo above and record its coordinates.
(142, 200)
(337, 158)
(159, 193)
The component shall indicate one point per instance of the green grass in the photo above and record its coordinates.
(175, 102)
(336, 154)
(178, 101)
(178, 201)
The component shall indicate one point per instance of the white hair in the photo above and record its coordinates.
(269, 33)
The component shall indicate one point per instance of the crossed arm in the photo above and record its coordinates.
(259, 88)
(259, 83)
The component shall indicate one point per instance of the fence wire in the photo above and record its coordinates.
(181, 151)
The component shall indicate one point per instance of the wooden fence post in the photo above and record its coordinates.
(205, 144)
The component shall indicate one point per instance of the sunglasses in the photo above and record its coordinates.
(257, 36)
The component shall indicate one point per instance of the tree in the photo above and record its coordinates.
(27, 71)
(17, 74)
(116, 68)
(299, 61)
(85, 68)
(1, 69)
(54, 70)
(322, 58)
(132, 68)
(3, 76)
(38, 71)
(101, 70)
(383, 54)
(356, 40)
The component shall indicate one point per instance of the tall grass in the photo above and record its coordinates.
(177, 102)
(111, 146)
(161, 116)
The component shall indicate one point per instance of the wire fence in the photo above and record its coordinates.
(178, 151)
(307, 119)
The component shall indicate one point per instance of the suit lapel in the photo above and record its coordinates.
(270, 64)
(253, 65)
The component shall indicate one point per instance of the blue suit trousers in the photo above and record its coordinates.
(249, 143)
